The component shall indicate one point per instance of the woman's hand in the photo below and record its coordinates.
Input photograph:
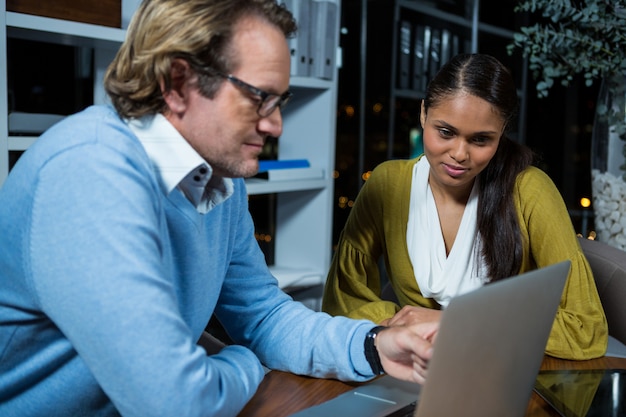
(409, 315)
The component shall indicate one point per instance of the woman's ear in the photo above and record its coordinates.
(175, 95)
(422, 114)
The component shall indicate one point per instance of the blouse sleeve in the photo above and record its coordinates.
(353, 285)
(580, 329)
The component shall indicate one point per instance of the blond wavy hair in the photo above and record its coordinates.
(199, 31)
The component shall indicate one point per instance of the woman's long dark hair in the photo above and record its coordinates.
(485, 77)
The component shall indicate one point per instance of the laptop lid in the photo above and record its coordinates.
(487, 355)
(490, 346)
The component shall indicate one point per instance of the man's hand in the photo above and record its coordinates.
(405, 350)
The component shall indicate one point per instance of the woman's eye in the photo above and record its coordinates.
(445, 133)
(481, 140)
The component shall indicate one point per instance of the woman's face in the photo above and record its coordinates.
(461, 135)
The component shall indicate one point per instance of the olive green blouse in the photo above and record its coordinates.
(377, 227)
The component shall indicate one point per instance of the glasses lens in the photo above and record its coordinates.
(269, 105)
(285, 99)
(271, 102)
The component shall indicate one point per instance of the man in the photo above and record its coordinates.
(122, 231)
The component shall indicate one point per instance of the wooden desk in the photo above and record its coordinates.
(282, 394)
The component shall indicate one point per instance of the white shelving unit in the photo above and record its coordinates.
(304, 207)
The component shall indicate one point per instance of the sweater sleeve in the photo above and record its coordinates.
(285, 335)
(353, 285)
(580, 328)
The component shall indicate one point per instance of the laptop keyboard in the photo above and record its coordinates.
(406, 411)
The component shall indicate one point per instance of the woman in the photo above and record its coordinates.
(470, 211)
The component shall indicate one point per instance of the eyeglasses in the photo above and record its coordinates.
(269, 102)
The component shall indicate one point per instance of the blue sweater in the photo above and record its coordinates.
(106, 284)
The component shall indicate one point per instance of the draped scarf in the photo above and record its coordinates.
(439, 276)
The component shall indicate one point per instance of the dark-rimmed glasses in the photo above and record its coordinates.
(269, 101)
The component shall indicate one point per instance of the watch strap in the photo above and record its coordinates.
(371, 353)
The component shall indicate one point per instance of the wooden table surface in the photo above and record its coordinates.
(282, 394)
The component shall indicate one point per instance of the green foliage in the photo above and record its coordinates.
(575, 37)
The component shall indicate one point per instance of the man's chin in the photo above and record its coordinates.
(244, 169)
(247, 170)
(251, 169)
(248, 175)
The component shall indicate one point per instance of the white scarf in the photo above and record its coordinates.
(439, 276)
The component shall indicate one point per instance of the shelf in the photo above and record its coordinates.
(65, 32)
(494, 30)
(411, 94)
(310, 83)
(260, 186)
(456, 19)
(297, 277)
(21, 143)
(432, 12)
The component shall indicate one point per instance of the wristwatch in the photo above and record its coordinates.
(371, 353)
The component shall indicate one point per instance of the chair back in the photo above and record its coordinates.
(609, 270)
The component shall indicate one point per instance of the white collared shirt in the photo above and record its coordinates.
(178, 165)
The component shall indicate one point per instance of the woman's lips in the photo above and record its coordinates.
(454, 171)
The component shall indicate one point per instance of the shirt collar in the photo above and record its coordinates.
(178, 165)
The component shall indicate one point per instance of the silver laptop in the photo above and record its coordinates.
(486, 358)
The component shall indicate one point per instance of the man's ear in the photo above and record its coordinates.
(177, 93)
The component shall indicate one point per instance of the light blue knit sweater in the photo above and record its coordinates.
(106, 285)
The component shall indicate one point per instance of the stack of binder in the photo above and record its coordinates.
(422, 51)
(314, 48)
